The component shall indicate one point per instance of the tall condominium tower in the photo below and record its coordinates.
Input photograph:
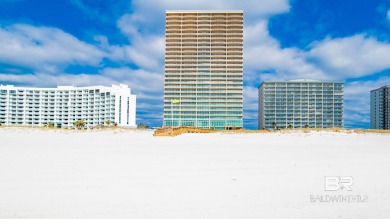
(301, 103)
(62, 106)
(203, 69)
(380, 108)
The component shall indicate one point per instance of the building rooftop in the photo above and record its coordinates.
(204, 11)
(72, 87)
(301, 81)
(383, 87)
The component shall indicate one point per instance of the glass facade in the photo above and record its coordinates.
(204, 69)
(299, 104)
(380, 108)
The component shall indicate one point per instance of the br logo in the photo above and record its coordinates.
(336, 183)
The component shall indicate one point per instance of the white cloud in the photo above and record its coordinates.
(357, 100)
(330, 59)
(140, 81)
(146, 50)
(264, 54)
(252, 8)
(49, 80)
(351, 57)
(145, 26)
(250, 97)
(388, 15)
(251, 105)
(44, 47)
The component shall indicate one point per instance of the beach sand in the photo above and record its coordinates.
(131, 174)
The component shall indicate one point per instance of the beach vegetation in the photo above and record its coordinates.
(79, 124)
(142, 126)
(50, 125)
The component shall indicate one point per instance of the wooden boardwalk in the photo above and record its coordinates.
(174, 131)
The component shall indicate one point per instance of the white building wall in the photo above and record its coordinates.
(132, 111)
(23, 106)
(125, 106)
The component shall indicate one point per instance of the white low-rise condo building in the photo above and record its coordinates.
(62, 106)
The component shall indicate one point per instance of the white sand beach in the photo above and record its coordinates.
(131, 174)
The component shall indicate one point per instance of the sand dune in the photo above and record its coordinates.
(131, 174)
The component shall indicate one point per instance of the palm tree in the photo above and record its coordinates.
(76, 124)
(108, 122)
(274, 125)
(289, 126)
(306, 126)
(50, 125)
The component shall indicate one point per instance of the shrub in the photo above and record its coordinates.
(79, 124)
(50, 125)
(142, 126)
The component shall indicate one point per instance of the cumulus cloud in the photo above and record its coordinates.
(388, 15)
(145, 50)
(329, 59)
(357, 100)
(250, 105)
(351, 57)
(145, 26)
(44, 47)
(42, 79)
(140, 81)
(252, 8)
(266, 60)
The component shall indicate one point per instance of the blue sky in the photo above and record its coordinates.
(100, 42)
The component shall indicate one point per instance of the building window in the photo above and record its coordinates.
(128, 110)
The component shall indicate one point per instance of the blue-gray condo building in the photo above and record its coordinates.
(380, 108)
(301, 103)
